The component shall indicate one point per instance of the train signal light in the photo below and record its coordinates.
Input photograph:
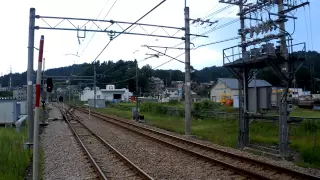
(49, 85)
(60, 99)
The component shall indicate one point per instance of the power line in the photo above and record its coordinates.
(145, 72)
(128, 28)
(218, 11)
(211, 9)
(217, 42)
(92, 25)
(214, 29)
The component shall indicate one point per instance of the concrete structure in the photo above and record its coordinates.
(229, 87)
(23, 107)
(20, 94)
(9, 111)
(88, 93)
(100, 103)
(4, 88)
(108, 94)
(111, 93)
(156, 85)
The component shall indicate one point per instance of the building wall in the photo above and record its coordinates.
(220, 88)
(20, 94)
(89, 94)
(108, 95)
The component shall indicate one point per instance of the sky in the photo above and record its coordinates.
(15, 21)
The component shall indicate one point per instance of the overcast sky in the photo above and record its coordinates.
(15, 19)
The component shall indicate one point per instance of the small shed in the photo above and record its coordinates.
(23, 107)
(8, 111)
(100, 103)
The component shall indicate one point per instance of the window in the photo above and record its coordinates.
(98, 96)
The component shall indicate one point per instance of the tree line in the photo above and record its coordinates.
(122, 73)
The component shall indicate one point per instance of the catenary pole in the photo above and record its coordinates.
(94, 87)
(29, 74)
(37, 114)
(187, 74)
(137, 94)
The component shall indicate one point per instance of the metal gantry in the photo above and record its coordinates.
(244, 63)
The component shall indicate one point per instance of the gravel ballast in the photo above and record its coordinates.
(282, 163)
(63, 157)
(158, 160)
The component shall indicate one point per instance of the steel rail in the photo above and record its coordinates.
(209, 148)
(142, 174)
(236, 169)
(92, 161)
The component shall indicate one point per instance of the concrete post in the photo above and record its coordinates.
(29, 75)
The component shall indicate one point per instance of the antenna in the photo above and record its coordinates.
(10, 81)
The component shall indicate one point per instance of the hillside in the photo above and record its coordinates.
(118, 73)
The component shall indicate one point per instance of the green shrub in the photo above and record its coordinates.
(311, 156)
(310, 126)
(13, 158)
(205, 105)
(173, 102)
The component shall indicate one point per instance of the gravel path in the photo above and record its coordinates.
(63, 157)
(159, 161)
(282, 163)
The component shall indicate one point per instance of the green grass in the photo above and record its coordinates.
(225, 132)
(13, 158)
(306, 113)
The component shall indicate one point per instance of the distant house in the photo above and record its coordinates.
(20, 94)
(108, 94)
(156, 85)
(229, 87)
(171, 92)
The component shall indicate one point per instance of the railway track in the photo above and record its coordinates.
(242, 165)
(106, 160)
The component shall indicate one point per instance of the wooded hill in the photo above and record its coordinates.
(121, 74)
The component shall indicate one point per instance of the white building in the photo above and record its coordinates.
(108, 94)
(88, 93)
(228, 88)
(171, 92)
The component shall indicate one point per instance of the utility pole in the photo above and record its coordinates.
(10, 81)
(244, 127)
(283, 118)
(35, 168)
(187, 74)
(29, 74)
(94, 86)
(137, 93)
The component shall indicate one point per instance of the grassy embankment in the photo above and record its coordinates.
(14, 159)
(225, 132)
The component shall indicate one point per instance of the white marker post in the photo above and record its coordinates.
(37, 113)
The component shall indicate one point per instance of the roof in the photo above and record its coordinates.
(232, 83)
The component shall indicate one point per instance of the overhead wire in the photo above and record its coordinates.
(128, 28)
(306, 23)
(212, 9)
(311, 33)
(178, 57)
(207, 32)
(218, 11)
(92, 25)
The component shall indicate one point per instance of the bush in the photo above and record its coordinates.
(310, 126)
(155, 108)
(205, 105)
(173, 102)
(311, 156)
